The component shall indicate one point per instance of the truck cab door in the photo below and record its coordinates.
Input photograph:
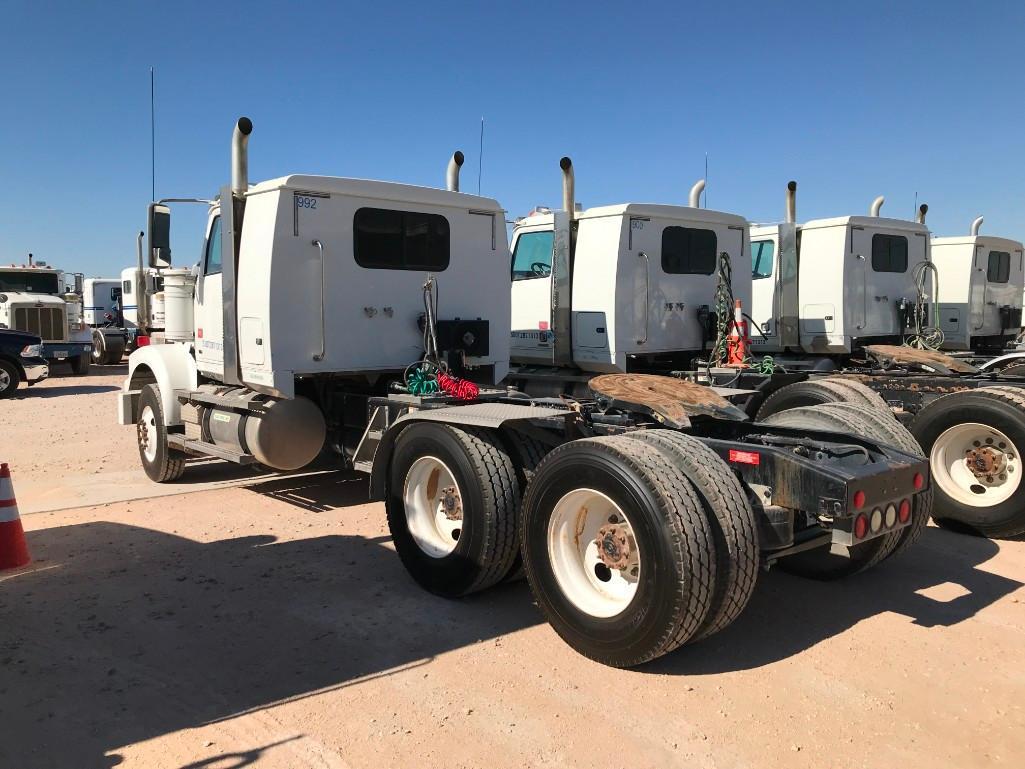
(208, 304)
(856, 295)
(765, 293)
(532, 253)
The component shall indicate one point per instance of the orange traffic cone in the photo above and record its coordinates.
(13, 547)
(739, 341)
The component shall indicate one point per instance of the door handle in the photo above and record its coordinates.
(323, 341)
(647, 292)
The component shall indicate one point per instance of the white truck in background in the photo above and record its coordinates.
(327, 314)
(103, 314)
(980, 293)
(35, 299)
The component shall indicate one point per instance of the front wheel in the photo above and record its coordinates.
(80, 364)
(9, 379)
(160, 461)
(974, 439)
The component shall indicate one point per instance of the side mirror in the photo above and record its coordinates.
(159, 229)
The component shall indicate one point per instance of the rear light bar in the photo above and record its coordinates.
(880, 519)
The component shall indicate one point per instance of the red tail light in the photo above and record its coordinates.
(904, 511)
(859, 500)
(141, 341)
(919, 481)
(861, 526)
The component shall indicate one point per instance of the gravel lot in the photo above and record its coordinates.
(243, 620)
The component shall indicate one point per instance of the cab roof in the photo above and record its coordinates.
(646, 210)
(386, 192)
(986, 241)
(876, 222)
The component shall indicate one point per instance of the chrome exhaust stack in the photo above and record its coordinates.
(568, 187)
(922, 211)
(694, 201)
(790, 216)
(976, 225)
(876, 205)
(452, 172)
(240, 156)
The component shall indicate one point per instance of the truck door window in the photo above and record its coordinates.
(889, 253)
(688, 251)
(400, 240)
(999, 268)
(532, 257)
(762, 252)
(212, 263)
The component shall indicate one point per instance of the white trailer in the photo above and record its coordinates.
(980, 294)
(328, 311)
(33, 298)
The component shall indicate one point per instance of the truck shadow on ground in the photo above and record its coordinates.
(65, 389)
(121, 634)
(936, 583)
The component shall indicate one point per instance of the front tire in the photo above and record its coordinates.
(160, 461)
(453, 501)
(9, 379)
(618, 552)
(80, 364)
(974, 440)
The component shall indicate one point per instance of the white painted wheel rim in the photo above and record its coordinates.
(573, 553)
(426, 495)
(951, 471)
(148, 433)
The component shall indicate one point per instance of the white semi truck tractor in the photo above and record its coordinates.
(103, 313)
(980, 296)
(371, 321)
(33, 298)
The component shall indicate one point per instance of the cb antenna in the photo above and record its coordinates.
(706, 180)
(152, 139)
(480, 154)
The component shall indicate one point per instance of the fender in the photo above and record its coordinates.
(171, 367)
(1004, 360)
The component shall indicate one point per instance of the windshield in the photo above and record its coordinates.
(29, 282)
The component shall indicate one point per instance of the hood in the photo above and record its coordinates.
(22, 338)
(20, 297)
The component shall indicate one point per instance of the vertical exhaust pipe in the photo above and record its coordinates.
(568, 187)
(922, 211)
(694, 201)
(976, 224)
(791, 209)
(30, 260)
(876, 205)
(452, 172)
(240, 156)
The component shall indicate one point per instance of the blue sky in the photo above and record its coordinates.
(853, 101)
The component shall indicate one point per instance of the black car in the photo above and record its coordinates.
(20, 360)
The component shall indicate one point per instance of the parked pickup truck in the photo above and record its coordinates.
(20, 361)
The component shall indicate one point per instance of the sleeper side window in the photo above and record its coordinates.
(999, 268)
(889, 253)
(688, 251)
(384, 239)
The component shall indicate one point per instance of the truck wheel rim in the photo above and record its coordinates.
(5, 380)
(434, 506)
(148, 433)
(599, 581)
(976, 465)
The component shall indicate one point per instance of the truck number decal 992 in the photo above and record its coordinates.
(304, 200)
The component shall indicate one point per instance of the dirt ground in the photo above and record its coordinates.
(267, 622)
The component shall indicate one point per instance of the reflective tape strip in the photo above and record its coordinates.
(6, 488)
(9, 514)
